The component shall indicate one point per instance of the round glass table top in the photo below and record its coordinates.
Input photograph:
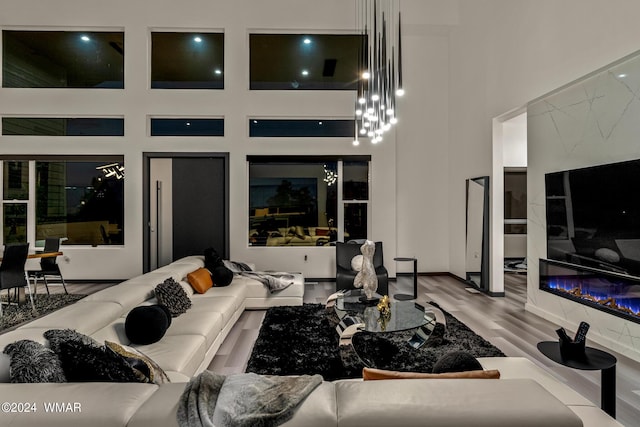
(404, 315)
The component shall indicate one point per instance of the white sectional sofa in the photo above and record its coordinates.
(524, 396)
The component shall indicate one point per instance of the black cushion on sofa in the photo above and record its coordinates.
(32, 362)
(147, 324)
(211, 259)
(456, 361)
(87, 363)
(221, 276)
(58, 336)
(170, 294)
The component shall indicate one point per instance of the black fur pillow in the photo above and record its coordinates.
(211, 259)
(170, 294)
(58, 336)
(87, 363)
(32, 362)
(456, 361)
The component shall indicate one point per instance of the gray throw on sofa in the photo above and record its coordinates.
(242, 400)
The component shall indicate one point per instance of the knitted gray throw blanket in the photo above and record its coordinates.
(242, 400)
(275, 281)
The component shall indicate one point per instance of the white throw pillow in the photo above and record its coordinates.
(356, 262)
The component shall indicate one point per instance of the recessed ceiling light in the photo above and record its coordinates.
(197, 39)
(622, 75)
(305, 72)
(85, 38)
(307, 40)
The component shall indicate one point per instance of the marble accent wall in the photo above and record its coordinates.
(594, 120)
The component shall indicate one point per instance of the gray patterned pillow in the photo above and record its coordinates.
(170, 294)
(32, 362)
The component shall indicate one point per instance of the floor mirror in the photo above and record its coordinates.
(477, 233)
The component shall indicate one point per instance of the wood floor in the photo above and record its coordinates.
(502, 321)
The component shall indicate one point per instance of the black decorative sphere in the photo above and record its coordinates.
(147, 324)
(456, 361)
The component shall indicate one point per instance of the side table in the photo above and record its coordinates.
(594, 360)
(403, 297)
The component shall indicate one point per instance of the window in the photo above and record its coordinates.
(298, 201)
(299, 61)
(187, 60)
(187, 127)
(62, 126)
(301, 128)
(68, 59)
(515, 202)
(81, 199)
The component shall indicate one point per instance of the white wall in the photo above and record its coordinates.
(412, 205)
(506, 53)
(591, 122)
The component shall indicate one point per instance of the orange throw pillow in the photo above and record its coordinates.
(200, 280)
(381, 374)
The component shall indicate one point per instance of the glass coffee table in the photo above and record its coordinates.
(357, 316)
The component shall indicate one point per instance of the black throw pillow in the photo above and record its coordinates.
(87, 363)
(221, 276)
(211, 259)
(58, 336)
(147, 324)
(32, 362)
(456, 361)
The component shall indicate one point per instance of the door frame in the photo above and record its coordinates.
(146, 195)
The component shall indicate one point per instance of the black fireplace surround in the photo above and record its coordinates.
(614, 293)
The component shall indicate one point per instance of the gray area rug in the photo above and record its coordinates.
(302, 340)
(13, 315)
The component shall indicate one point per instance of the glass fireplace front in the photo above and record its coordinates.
(617, 294)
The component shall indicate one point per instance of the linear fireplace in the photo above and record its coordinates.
(613, 293)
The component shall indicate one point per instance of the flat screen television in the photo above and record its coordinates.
(593, 216)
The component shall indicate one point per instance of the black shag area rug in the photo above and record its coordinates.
(301, 340)
(14, 315)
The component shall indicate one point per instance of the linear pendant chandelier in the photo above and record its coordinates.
(380, 64)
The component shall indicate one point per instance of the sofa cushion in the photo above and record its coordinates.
(501, 403)
(85, 317)
(180, 353)
(143, 366)
(521, 367)
(170, 294)
(226, 306)
(127, 294)
(200, 280)
(209, 324)
(95, 404)
(32, 362)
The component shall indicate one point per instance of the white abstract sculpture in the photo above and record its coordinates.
(366, 277)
